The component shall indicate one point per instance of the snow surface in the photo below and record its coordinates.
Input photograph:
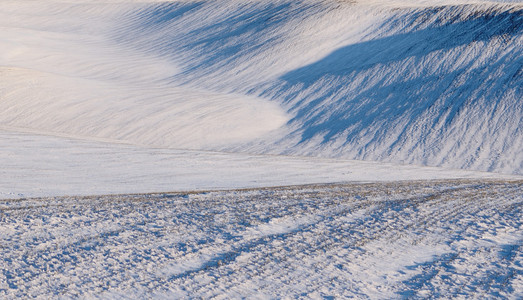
(439, 239)
(37, 165)
(195, 102)
(433, 83)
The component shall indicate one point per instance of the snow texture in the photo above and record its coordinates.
(37, 165)
(204, 104)
(434, 83)
(439, 239)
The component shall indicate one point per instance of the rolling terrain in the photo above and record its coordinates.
(261, 148)
(406, 82)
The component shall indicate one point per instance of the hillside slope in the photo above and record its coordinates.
(437, 85)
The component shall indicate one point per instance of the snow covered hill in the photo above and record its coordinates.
(436, 83)
(242, 119)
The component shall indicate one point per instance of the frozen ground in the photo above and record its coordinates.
(448, 239)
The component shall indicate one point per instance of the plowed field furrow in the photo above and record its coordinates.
(456, 238)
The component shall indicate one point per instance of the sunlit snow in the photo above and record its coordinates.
(261, 149)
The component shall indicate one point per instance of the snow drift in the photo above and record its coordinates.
(436, 84)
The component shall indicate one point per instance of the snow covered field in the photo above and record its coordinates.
(457, 238)
(37, 165)
(261, 148)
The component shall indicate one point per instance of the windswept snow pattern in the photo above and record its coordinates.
(61, 73)
(434, 83)
(439, 239)
(440, 86)
(222, 109)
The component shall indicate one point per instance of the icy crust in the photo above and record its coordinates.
(441, 239)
